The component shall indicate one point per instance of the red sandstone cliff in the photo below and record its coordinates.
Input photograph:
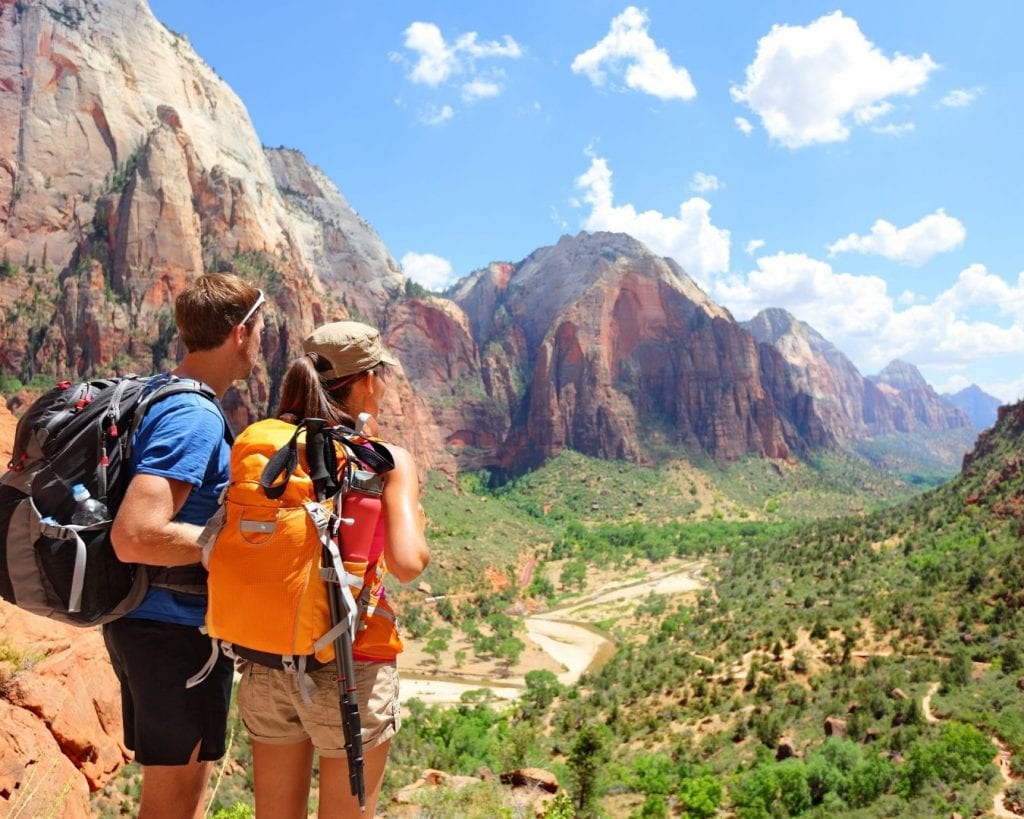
(60, 717)
(595, 344)
(852, 406)
(127, 167)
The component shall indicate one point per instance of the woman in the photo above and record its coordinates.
(342, 376)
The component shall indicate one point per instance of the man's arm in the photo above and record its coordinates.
(144, 529)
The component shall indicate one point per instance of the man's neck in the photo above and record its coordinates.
(207, 366)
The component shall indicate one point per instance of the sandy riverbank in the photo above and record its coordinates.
(564, 636)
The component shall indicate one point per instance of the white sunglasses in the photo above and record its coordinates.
(255, 307)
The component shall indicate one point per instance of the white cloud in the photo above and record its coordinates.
(690, 238)
(433, 272)
(975, 287)
(479, 89)
(961, 97)
(912, 245)
(704, 182)
(1008, 391)
(857, 314)
(754, 245)
(628, 49)
(808, 82)
(894, 129)
(744, 125)
(438, 62)
(869, 113)
(433, 115)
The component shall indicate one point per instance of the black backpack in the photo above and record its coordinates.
(74, 434)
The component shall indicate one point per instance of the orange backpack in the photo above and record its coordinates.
(278, 542)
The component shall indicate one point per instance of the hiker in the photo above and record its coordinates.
(178, 467)
(343, 374)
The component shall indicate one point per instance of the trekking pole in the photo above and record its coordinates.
(323, 472)
(349, 701)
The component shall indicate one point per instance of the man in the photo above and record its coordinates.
(179, 464)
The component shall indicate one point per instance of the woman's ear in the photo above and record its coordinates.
(371, 381)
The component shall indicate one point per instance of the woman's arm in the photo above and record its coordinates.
(406, 551)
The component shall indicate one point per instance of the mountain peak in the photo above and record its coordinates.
(901, 375)
(980, 407)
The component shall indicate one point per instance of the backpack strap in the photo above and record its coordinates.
(173, 386)
(366, 450)
(320, 454)
(186, 579)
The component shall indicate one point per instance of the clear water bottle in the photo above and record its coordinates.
(88, 510)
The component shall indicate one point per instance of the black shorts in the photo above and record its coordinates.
(164, 720)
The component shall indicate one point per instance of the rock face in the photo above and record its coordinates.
(348, 258)
(127, 167)
(595, 344)
(898, 400)
(918, 404)
(60, 717)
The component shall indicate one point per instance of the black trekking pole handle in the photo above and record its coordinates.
(349, 699)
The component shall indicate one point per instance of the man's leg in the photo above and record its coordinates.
(176, 732)
(175, 791)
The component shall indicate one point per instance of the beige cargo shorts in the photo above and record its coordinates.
(274, 712)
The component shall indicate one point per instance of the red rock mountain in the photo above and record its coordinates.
(128, 166)
(850, 405)
(598, 345)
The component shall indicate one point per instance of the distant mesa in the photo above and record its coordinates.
(979, 406)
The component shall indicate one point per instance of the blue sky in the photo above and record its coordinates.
(858, 165)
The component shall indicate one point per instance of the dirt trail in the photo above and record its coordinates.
(1003, 761)
(1002, 756)
(563, 633)
(926, 703)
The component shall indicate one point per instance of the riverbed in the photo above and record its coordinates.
(567, 634)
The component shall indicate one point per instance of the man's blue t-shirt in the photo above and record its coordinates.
(182, 438)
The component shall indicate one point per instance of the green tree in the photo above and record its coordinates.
(957, 672)
(508, 650)
(437, 643)
(794, 791)
(590, 751)
(960, 756)
(541, 689)
(700, 796)
(651, 774)
(574, 574)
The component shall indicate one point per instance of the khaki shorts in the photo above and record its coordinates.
(273, 710)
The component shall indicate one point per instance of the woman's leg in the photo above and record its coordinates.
(281, 775)
(336, 799)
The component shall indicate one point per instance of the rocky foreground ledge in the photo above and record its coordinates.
(60, 716)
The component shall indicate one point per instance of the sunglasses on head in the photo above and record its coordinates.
(252, 310)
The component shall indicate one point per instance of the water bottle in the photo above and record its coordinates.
(88, 510)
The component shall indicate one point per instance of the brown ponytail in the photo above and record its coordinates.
(303, 394)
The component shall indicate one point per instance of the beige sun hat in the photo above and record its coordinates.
(350, 347)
